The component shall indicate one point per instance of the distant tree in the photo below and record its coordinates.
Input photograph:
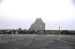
(65, 32)
(32, 32)
(19, 30)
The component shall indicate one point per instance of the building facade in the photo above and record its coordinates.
(38, 25)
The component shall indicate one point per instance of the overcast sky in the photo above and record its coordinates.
(22, 13)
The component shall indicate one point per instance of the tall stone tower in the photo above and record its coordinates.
(38, 25)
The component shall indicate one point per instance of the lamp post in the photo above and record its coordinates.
(59, 30)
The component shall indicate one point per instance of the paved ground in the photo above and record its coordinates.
(34, 41)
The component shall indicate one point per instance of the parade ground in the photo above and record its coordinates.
(36, 41)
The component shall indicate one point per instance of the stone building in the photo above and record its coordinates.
(38, 25)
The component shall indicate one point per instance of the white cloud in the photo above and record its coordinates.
(53, 12)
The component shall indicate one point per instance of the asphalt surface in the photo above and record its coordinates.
(37, 41)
